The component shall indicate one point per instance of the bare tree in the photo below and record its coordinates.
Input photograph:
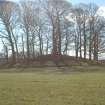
(56, 10)
(7, 16)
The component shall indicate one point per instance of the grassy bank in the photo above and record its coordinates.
(39, 88)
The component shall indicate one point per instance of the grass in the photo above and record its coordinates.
(39, 88)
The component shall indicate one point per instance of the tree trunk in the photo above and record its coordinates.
(80, 39)
(84, 40)
(90, 43)
(96, 47)
(28, 47)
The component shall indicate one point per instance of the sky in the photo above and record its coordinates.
(98, 2)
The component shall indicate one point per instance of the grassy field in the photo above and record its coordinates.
(38, 88)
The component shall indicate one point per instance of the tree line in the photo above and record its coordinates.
(29, 29)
